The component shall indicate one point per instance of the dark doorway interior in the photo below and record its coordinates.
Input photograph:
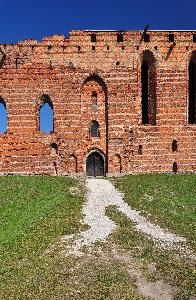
(95, 165)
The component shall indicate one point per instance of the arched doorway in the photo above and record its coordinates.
(95, 165)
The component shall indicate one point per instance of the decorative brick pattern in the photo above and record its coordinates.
(69, 71)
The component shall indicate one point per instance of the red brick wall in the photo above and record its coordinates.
(69, 75)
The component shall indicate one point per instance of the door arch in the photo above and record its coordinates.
(95, 164)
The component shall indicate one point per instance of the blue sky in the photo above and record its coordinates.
(21, 19)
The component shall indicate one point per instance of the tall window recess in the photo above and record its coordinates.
(94, 129)
(148, 84)
(3, 116)
(192, 89)
(46, 115)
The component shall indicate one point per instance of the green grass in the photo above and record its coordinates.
(34, 212)
(167, 200)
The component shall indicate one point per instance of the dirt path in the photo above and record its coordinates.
(100, 195)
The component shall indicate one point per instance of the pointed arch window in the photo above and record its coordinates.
(46, 115)
(192, 90)
(94, 129)
(148, 84)
(3, 116)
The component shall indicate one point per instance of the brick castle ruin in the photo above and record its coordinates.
(122, 101)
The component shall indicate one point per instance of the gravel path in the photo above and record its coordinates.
(101, 194)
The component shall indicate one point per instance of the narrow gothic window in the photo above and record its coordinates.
(148, 84)
(146, 38)
(175, 167)
(3, 116)
(46, 116)
(140, 150)
(171, 37)
(94, 130)
(94, 100)
(93, 38)
(192, 90)
(174, 146)
(120, 38)
(54, 148)
(144, 75)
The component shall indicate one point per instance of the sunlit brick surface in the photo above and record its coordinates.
(69, 70)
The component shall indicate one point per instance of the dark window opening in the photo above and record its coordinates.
(3, 116)
(144, 74)
(148, 86)
(49, 47)
(123, 48)
(55, 168)
(54, 148)
(120, 38)
(94, 100)
(174, 146)
(108, 48)
(93, 38)
(171, 37)
(175, 167)
(79, 48)
(146, 37)
(155, 48)
(46, 115)
(94, 130)
(117, 63)
(93, 48)
(194, 38)
(140, 150)
(192, 91)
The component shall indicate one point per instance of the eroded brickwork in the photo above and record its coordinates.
(69, 71)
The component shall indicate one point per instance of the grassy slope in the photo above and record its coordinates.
(168, 200)
(34, 211)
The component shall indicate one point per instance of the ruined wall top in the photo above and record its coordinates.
(87, 48)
